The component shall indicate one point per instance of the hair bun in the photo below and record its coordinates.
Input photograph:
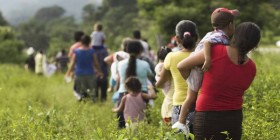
(186, 34)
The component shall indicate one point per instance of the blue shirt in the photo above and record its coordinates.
(84, 62)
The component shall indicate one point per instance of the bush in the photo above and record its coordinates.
(11, 51)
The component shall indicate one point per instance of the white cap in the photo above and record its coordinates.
(30, 51)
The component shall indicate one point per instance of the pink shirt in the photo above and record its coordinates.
(225, 83)
(73, 48)
(134, 108)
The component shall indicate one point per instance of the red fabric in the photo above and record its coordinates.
(225, 83)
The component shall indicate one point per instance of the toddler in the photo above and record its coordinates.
(168, 89)
(133, 104)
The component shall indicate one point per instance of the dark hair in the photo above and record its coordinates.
(134, 48)
(132, 83)
(186, 31)
(137, 34)
(78, 35)
(246, 37)
(162, 52)
(124, 43)
(98, 27)
(63, 52)
(85, 40)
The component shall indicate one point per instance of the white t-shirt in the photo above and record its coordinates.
(97, 38)
(145, 47)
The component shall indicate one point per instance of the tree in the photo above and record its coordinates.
(3, 22)
(49, 13)
(48, 30)
(117, 17)
(10, 47)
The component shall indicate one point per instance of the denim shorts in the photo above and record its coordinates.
(176, 112)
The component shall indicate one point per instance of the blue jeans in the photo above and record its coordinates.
(101, 84)
(175, 116)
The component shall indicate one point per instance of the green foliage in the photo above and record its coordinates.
(164, 14)
(122, 13)
(262, 100)
(36, 107)
(3, 22)
(10, 47)
(49, 13)
(51, 33)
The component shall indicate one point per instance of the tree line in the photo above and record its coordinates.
(49, 29)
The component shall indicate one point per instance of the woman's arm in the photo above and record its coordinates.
(109, 59)
(165, 75)
(71, 67)
(188, 63)
(121, 106)
(97, 66)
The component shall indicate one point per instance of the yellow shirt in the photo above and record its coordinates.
(180, 85)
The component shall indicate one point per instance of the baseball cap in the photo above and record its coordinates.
(223, 16)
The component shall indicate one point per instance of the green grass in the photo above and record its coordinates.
(35, 107)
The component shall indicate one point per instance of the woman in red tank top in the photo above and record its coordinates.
(219, 104)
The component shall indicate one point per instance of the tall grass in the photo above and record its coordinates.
(36, 107)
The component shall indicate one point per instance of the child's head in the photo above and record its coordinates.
(86, 40)
(78, 35)
(134, 47)
(124, 43)
(137, 34)
(132, 84)
(186, 34)
(223, 17)
(162, 53)
(97, 27)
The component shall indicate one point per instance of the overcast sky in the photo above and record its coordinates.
(15, 11)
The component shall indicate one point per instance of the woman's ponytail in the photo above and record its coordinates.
(131, 68)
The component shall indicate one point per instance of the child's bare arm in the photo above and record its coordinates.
(207, 55)
(121, 106)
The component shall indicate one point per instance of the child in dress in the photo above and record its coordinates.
(133, 104)
(168, 89)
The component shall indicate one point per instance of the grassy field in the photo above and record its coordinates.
(34, 107)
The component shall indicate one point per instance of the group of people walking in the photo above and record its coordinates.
(203, 82)
(210, 82)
